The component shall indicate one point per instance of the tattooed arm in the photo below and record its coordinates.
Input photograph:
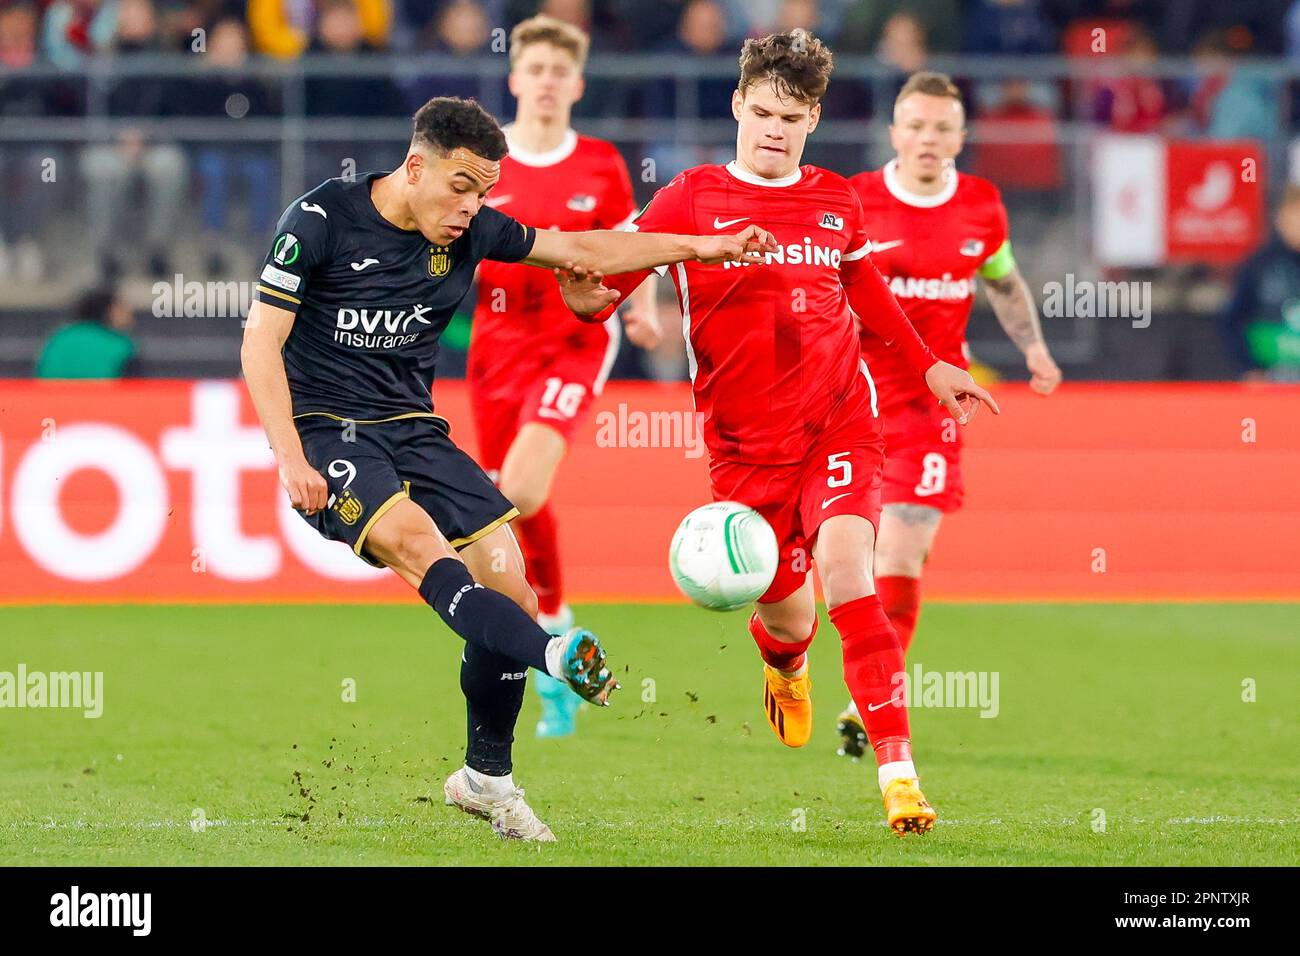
(1013, 304)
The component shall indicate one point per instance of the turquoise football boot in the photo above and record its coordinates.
(560, 703)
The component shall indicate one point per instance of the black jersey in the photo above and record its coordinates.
(371, 299)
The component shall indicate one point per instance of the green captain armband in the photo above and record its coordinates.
(1000, 264)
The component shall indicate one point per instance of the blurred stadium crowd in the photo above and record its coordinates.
(103, 90)
(65, 32)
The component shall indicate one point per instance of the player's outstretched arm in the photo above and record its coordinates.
(1013, 304)
(264, 337)
(613, 251)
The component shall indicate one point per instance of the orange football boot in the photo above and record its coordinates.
(787, 701)
(906, 807)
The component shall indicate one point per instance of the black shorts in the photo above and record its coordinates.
(370, 466)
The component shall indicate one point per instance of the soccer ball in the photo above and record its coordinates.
(723, 556)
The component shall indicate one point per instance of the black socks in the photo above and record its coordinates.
(485, 618)
(494, 691)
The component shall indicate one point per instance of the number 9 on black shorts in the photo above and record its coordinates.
(370, 466)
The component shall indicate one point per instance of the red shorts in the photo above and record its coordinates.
(559, 397)
(923, 456)
(840, 475)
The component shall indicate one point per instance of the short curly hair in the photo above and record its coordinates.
(447, 122)
(797, 64)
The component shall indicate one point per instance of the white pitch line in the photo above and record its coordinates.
(367, 823)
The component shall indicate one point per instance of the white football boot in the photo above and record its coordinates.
(511, 817)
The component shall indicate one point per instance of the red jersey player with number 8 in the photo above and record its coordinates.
(791, 415)
(935, 230)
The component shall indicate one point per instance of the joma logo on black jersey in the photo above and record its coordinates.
(391, 321)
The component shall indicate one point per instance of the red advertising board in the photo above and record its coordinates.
(1157, 201)
(165, 491)
(1215, 205)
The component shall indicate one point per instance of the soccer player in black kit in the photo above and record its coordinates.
(338, 354)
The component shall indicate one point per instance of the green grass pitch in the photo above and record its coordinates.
(225, 739)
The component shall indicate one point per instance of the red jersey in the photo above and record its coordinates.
(772, 348)
(929, 249)
(520, 321)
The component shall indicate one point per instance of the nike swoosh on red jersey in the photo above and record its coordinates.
(719, 224)
(827, 502)
(882, 246)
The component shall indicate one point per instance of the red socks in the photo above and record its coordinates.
(872, 658)
(539, 540)
(778, 654)
(901, 598)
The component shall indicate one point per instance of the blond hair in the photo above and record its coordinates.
(544, 29)
(929, 83)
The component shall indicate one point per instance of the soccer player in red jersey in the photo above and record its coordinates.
(933, 230)
(532, 370)
(791, 414)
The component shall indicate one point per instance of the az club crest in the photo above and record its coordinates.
(439, 261)
(972, 247)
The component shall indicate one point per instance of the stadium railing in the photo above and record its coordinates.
(1051, 224)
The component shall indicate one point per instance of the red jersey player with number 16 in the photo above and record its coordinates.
(791, 415)
(935, 231)
(533, 371)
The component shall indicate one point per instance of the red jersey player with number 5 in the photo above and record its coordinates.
(934, 231)
(791, 415)
(532, 370)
